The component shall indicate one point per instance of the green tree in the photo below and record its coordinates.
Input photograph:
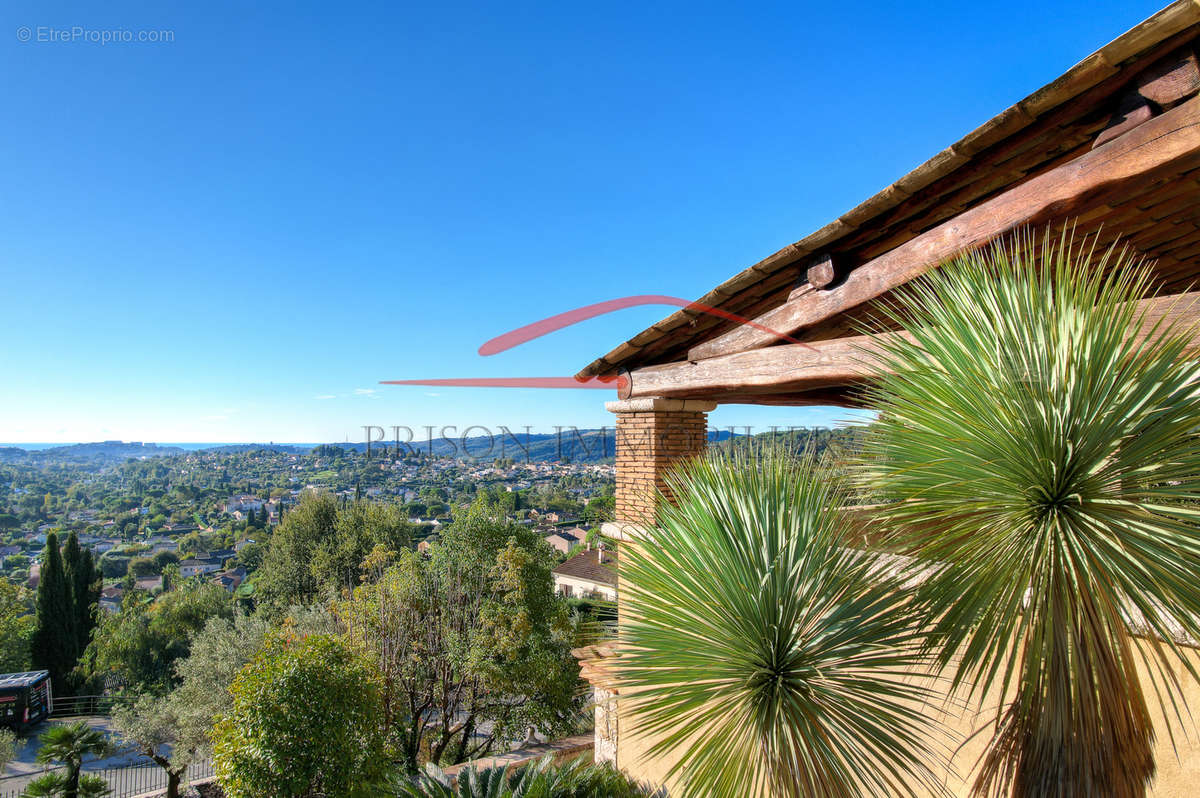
(320, 548)
(141, 644)
(286, 576)
(84, 581)
(156, 728)
(54, 644)
(141, 567)
(251, 556)
(69, 745)
(768, 658)
(339, 754)
(361, 526)
(473, 642)
(16, 629)
(8, 747)
(1032, 441)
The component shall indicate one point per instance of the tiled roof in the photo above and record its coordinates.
(586, 565)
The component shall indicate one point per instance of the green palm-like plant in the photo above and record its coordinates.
(541, 779)
(70, 744)
(56, 785)
(1037, 436)
(761, 653)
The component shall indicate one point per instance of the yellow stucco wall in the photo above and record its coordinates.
(1178, 768)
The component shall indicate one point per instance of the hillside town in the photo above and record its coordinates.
(185, 516)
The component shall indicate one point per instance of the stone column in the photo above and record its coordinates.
(653, 435)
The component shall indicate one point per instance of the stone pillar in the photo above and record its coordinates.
(653, 435)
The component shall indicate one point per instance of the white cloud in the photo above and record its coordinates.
(325, 396)
(364, 391)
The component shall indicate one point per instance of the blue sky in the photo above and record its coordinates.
(233, 236)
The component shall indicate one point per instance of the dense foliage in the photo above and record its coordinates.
(472, 641)
(138, 647)
(319, 548)
(304, 720)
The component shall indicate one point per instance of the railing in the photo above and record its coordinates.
(75, 705)
(124, 782)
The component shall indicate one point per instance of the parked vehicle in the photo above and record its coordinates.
(25, 699)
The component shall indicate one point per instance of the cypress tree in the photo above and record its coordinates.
(72, 559)
(54, 641)
(85, 584)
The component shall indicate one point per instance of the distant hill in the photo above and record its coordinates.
(571, 445)
(89, 453)
(576, 446)
(235, 448)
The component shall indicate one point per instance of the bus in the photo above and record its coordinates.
(25, 699)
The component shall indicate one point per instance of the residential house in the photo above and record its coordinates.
(1111, 149)
(197, 566)
(111, 598)
(562, 542)
(589, 574)
(243, 503)
(231, 579)
(149, 583)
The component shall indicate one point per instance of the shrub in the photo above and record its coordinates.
(304, 720)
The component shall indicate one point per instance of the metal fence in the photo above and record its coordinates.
(75, 705)
(123, 782)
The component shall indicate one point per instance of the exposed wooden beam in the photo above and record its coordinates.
(1166, 143)
(832, 397)
(1171, 80)
(1133, 110)
(822, 272)
(825, 366)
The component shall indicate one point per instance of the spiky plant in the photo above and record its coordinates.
(541, 779)
(1037, 436)
(57, 785)
(761, 654)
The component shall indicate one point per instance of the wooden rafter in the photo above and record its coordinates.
(1166, 143)
(791, 371)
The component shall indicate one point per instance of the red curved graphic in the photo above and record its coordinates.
(529, 332)
(523, 335)
(514, 382)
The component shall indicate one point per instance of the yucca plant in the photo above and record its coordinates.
(761, 654)
(1037, 438)
(541, 779)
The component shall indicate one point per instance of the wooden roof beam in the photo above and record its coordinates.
(1170, 141)
(823, 366)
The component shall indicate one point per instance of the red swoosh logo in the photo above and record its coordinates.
(530, 332)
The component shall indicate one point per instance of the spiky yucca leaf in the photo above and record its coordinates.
(766, 657)
(1037, 435)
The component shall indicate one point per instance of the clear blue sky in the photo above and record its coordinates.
(235, 235)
